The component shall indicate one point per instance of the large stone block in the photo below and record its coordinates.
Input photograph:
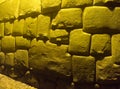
(18, 26)
(79, 42)
(8, 44)
(104, 21)
(22, 43)
(29, 7)
(68, 18)
(1, 30)
(21, 58)
(8, 9)
(50, 59)
(100, 45)
(30, 27)
(43, 25)
(2, 58)
(59, 36)
(50, 5)
(9, 59)
(75, 3)
(83, 69)
(8, 26)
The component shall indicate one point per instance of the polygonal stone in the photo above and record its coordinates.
(100, 45)
(50, 5)
(68, 18)
(50, 59)
(79, 42)
(98, 2)
(43, 25)
(21, 58)
(8, 44)
(83, 68)
(9, 59)
(8, 28)
(22, 43)
(1, 30)
(107, 69)
(30, 27)
(9, 9)
(18, 26)
(59, 36)
(2, 58)
(75, 3)
(29, 7)
(104, 21)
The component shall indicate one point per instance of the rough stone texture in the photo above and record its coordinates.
(8, 44)
(104, 21)
(29, 7)
(1, 30)
(0, 45)
(8, 83)
(9, 9)
(21, 58)
(68, 18)
(83, 69)
(107, 70)
(30, 27)
(75, 3)
(115, 42)
(50, 59)
(8, 28)
(9, 59)
(22, 43)
(50, 5)
(100, 45)
(79, 42)
(43, 25)
(2, 58)
(18, 26)
(59, 36)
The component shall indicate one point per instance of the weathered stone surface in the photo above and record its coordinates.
(21, 58)
(68, 18)
(2, 58)
(59, 36)
(0, 45)
(53, 60)
(115, 43)
(29, 7)
(107, 70)
(50, 5)
(8, 28)
(1, 30)
(18, 26)
(30, 27)
(8, 44)
(104, 21)
(9, 9)
(98, 2)
(83, 68)
(75, 3)
(9, 59)
(79, 42)
(100, 45)
(22, 43)
(43, 25)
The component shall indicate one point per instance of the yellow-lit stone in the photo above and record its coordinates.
(68, 18)
(21, 58)
(1, 30)
(0, 45)
(29, 7)
(2, 58)
(9, 59)
(8, 44)
(8, 28)
(22, 43)
(18, 26)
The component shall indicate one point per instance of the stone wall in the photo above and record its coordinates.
(61, 44)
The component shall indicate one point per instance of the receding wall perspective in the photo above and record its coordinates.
(61, 44)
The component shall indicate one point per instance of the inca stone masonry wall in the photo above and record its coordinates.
(61, 44)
